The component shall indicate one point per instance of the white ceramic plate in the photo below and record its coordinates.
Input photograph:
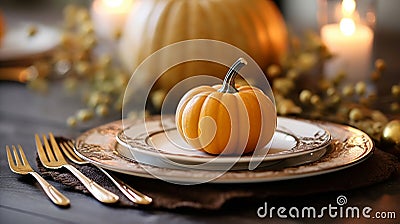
(17, 44)
(349, 146)
(160, 139)
(161, 163)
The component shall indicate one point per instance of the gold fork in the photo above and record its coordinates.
(135, 196)
(23, 167)
(52, 158)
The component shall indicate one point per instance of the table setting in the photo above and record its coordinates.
(98, 152)
(147, 111)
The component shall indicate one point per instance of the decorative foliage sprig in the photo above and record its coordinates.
(98, 78)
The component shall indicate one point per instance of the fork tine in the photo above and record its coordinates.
(71, 144)
(56, 150)
(49, 151)
(39, 147)
(72, 148)
(23, 157)
(67, 151)
(16, 156)
(10, 159)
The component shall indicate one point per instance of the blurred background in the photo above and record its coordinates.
(299, 15)
(300, 18)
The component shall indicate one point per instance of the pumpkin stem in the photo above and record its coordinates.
(229, 82)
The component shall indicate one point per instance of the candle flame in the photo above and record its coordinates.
(348, 7)
(347, 26)
(116, 3)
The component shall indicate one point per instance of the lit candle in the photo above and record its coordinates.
(109, 17)
(351, 44)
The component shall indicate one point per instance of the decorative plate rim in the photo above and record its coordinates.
(140, 145)
(350, 146)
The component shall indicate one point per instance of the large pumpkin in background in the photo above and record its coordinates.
(255, 26)
(2, 27)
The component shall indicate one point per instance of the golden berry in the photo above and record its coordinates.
(84, 115)
(375, 76)
(32, 30)
(361, 88)
(330, 91)
(315, 100)
(396, 90)
(355, 114)
(395, 107)
(274, 71)
(71, 121)
(348, 90)
(305, 96)
(292, 74)
(380, 64)
(102, 110)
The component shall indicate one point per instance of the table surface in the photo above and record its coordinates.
(24, 113)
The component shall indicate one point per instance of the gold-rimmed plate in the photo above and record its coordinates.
(348, 147)
(24, 40)
(158, 139)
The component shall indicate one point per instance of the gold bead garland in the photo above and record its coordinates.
(102, 81)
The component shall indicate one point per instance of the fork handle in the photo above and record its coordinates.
(97, 191)
(132, 194)
(55, 196)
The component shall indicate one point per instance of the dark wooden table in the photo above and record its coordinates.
(24, 113)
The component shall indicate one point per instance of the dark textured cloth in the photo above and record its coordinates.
(377, 168)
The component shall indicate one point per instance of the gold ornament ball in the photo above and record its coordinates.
(391, 133)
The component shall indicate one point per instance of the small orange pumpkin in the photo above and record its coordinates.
(226, 120)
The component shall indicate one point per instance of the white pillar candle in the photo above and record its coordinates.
(109, 17)
(350, 43)
(352, 50)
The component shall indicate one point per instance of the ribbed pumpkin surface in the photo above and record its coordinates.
(225, 123)
(254, 26)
